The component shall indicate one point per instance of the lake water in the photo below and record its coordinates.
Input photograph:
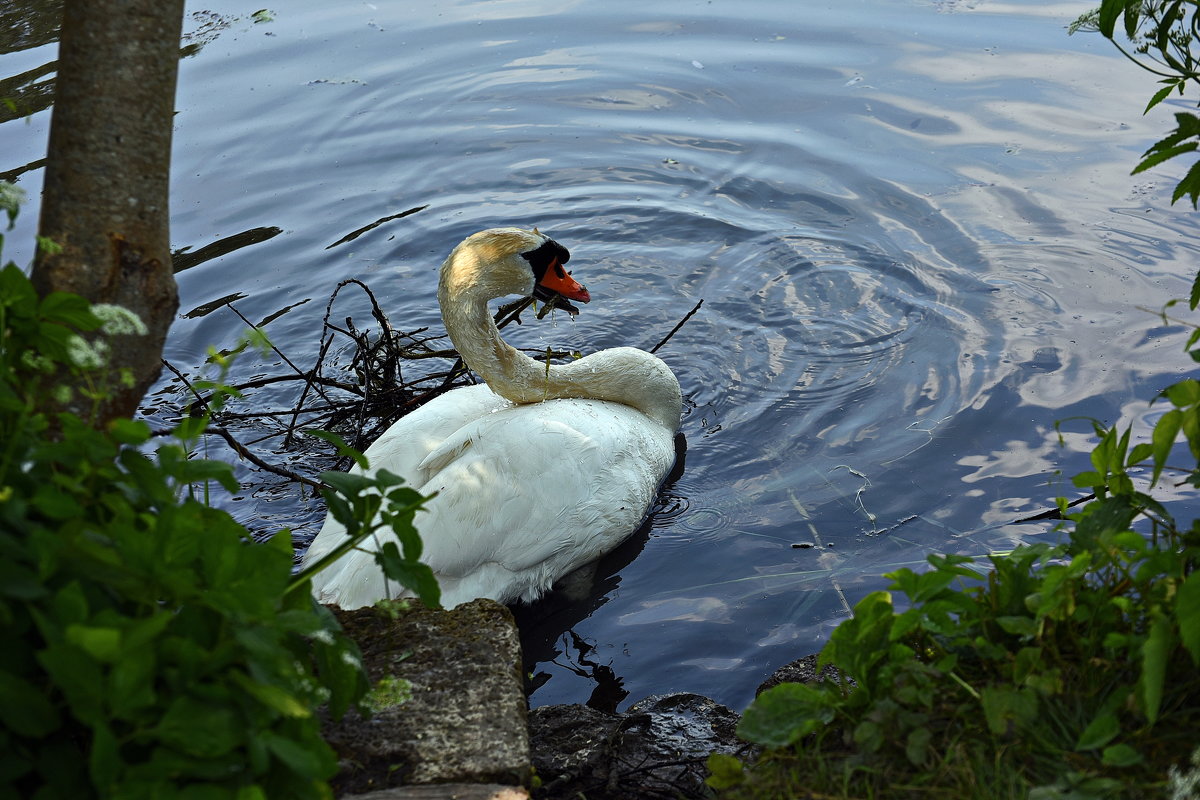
(911, 224)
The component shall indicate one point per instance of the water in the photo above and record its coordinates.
(911, 223)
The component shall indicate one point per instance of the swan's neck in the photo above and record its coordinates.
(623, 375)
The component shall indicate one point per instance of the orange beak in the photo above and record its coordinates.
(558, 280)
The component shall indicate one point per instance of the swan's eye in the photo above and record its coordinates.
(550, 255)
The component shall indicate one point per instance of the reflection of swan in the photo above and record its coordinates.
(541, 471)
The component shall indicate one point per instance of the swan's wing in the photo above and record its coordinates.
(410, 439)
(536, 490)
(400, 449)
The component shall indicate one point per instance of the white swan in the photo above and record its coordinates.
(539, 472)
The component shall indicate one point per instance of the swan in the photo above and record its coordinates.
(539, 471)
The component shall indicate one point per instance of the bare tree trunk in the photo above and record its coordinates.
(105, 201)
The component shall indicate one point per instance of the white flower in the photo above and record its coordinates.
(85, 354)
(11, 197)
(118, 320)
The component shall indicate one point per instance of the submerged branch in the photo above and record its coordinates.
(681, 323)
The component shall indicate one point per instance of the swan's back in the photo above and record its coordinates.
(525, 493)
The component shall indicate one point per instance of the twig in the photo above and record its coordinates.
(1055, 513)
(199, 399)
(667, 338)
(349, 237)
(325, 343)
(258, 462)
(278, 352)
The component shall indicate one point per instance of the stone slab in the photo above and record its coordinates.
(465, 721)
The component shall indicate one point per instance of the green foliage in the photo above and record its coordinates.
(367, 503)
(1073, 669)
(152, 649)
(1159, 36)
(149, 645)
(1084, 654)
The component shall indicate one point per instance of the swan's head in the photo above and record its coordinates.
(506, 261)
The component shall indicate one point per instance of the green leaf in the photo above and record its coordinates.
(1139, 453)
(1184, 393)
(724, 771)
(1155, 652)
(784, 714)
(191, 428)
(101, 643)
(1161, 95)
(1121, 755)
(70, 604)
(1163, 439)
(314, 761)
(1021, 626)
(104, 760)
(1156, 157)
(343, 449)
(131, 681)
(339, 664)
(1132, 8)
(129, 431)
(1187, 614)
(78, 678)
(1004, 707)
(1110, 11)
(412, 575)
(1099, 732)
(199, 727)
(199, 470)
(24, 708)
(348, 483)
(859, 644)
(68, 309)
(16, 291)
(916, 748)
(272, 696)
(1190, 185)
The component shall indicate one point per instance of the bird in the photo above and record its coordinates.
(540, 470)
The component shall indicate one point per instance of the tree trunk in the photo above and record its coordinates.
(105, 200)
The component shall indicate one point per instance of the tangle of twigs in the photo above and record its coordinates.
(393, 372)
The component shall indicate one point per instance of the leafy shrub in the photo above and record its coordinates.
(1072, 667)
(152, 649)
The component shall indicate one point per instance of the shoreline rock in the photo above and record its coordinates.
(465, 718)
(465, 731)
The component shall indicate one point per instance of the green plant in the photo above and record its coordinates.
(1160, 35)
(152, 648)
(1060, 671)
(1073, 668)
(366, 503)
(1079, 658)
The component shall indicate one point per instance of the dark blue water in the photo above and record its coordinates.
(911, 224)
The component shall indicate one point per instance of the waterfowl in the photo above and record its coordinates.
(538, 471)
